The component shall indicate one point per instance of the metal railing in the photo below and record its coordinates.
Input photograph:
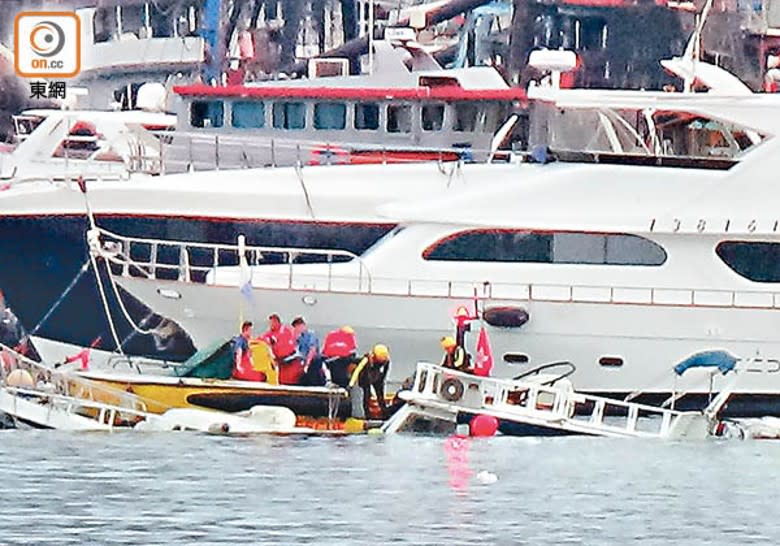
(184, 151)
(67, 391)
(194, 262)
(211, 263)
(539, 403)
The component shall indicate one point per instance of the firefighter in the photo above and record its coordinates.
(371, 372)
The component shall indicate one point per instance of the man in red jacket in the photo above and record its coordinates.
(281, 339)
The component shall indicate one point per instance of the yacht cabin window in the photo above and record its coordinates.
(561, 247)
(756, 261)
(330, 115)
(248, 115)
(207, 113)
(367, 116)
(399, 118)
(432, 117)
(289, 115)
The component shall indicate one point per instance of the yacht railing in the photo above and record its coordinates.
(536, 402)
(201, 262)
(218, 263)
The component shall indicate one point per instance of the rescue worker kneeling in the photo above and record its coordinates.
(371, 371)
(455, 356)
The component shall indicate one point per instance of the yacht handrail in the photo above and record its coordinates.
(364, 281)
(184, 268)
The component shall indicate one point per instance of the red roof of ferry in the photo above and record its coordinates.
(447, 92)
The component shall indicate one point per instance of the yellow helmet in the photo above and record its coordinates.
(381, 352)
(448, 342)
(347, 329)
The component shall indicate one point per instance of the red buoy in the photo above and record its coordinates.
(483, 425)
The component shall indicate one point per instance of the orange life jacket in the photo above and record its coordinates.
(339, 343)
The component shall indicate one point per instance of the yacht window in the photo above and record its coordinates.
(207, 113)
(330, 115)
(399, 119)
(563, 247)
(367, 116)
(432, 117)
(248, 115)
(756, 261)
(289, 115)
(465, 117)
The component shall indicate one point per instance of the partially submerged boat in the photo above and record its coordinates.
(549, 406)
(531, 408)
(38, 396)
(205, 381)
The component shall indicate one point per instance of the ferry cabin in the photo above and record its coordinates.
(249, 126)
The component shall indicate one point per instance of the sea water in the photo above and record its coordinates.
(188, 488)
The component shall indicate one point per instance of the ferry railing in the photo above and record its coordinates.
(441, 386)
(207, 262)
(183, 151)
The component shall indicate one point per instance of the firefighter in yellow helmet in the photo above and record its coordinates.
(455, 356)
(371, 371)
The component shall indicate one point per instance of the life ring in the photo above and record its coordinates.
(329, 155)
(451, 389)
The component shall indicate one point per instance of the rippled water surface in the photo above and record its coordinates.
(183, 488)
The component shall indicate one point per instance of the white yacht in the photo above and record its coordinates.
(319, 207)
(64, 144)
(621, 269)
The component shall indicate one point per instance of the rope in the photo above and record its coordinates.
(105, 303)
(61, 298)
(125, 312)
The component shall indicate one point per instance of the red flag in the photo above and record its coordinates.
(82, 184)
(484, 362)
(83, 356)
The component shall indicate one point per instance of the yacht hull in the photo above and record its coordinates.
(42, 256)
(641, 342)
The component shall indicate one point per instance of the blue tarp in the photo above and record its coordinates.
(723, 360)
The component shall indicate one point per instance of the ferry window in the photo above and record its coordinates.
(105, 24)
(133, 19)
(756, 261)
(330, 115)
(399, 119)
(206, 113)
(289, 115)
(248, 115)
(465, 117)
(367, 116)
(571, 248)
(161, 21)
(432, 117)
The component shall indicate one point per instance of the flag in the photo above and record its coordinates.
(82, 184)
(484, 362)
(83, 356)
(246, 291)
